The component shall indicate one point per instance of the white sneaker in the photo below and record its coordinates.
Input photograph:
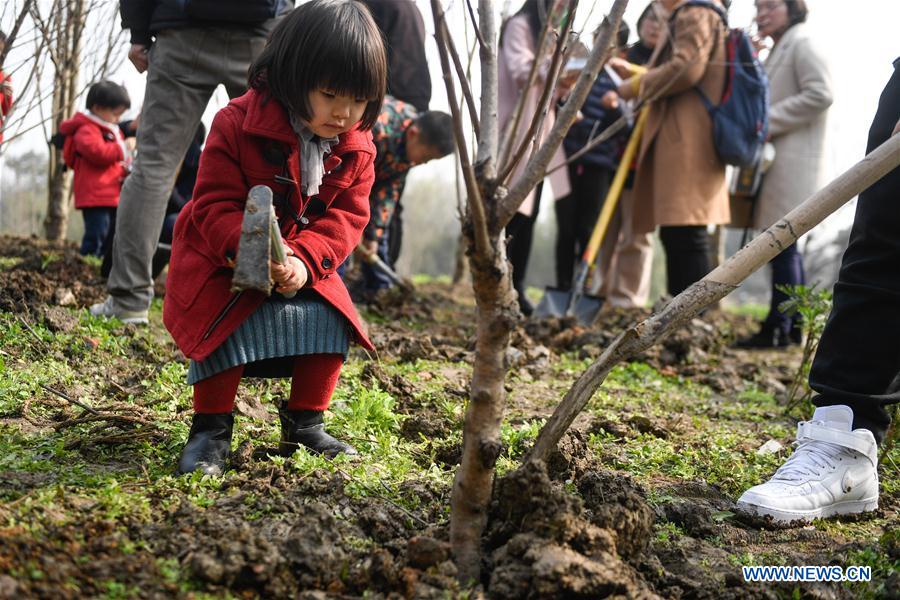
(106, 309)
(833, 471)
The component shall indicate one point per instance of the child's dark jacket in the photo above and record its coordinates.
(250, 142)
(595, 119)
(95, 154)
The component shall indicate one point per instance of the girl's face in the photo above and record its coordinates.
(334, 114)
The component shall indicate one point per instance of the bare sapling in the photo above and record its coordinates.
(490, 204)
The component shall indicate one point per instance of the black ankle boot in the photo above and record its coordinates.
(307, 428)
(208, 445)
(768, 336)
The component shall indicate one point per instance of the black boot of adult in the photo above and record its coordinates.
(768, 336)
(307, 428)
(209, 444)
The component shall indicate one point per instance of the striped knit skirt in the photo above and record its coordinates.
(274, 334)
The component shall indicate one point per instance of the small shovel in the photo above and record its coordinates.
(259, 244)
(375, 261)
(574, 302)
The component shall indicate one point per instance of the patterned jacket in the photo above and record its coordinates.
(391, 163)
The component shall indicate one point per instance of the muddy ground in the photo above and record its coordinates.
(586, 525)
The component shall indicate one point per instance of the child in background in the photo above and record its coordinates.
(303, 129)
(95, 150)
(6, 90)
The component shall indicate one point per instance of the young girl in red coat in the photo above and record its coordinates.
(302, 129)
(95, 150)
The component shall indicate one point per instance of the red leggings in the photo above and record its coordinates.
(312, 382)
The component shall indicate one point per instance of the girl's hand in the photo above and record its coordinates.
(290, 276)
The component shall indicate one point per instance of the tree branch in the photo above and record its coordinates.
(463, 80)
(11, 36)
(487, 145)
(475, 23)
(549, 91)
(509, 135)
(476, 203)
(537, 166)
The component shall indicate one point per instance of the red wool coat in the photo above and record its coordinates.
(95, 155)
(250, 143)
(5, 103)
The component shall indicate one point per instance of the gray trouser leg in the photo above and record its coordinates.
(186, 65)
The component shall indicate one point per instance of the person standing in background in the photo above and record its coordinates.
(800, 94)
(519, 37)
(186, 56)
(591, 172)
(626, 255)
(680, 182)
(409, 80)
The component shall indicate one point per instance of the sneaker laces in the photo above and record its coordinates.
(808, 460)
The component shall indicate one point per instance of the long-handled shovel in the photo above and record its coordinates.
(574, 302)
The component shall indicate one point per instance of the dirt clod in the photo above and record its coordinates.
(423, 552)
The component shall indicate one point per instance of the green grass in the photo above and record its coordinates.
(757, 311)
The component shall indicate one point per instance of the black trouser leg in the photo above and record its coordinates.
(576, 215)
(858, 360)
(395, 236)
(520, 230)
(687, 255)
(787, 269)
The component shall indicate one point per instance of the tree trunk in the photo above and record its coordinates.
(69, 29)
(473, 485)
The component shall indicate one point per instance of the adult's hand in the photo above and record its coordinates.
(627, 89)
(622, 67)
(610, 100)
(137, 54)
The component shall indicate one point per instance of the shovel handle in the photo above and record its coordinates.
(615, 191)
(278, 254)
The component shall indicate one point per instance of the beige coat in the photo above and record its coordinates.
(516, 56)
(680, 179)
(800, 93)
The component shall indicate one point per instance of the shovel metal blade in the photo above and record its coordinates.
(251, 270)
(555, 303)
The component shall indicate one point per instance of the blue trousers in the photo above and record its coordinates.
(787, 269)
(374, 279)
(96, 230)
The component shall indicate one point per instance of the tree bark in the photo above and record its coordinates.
(485, 220)
(67, 29)
(715, 286)
(473, 484)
